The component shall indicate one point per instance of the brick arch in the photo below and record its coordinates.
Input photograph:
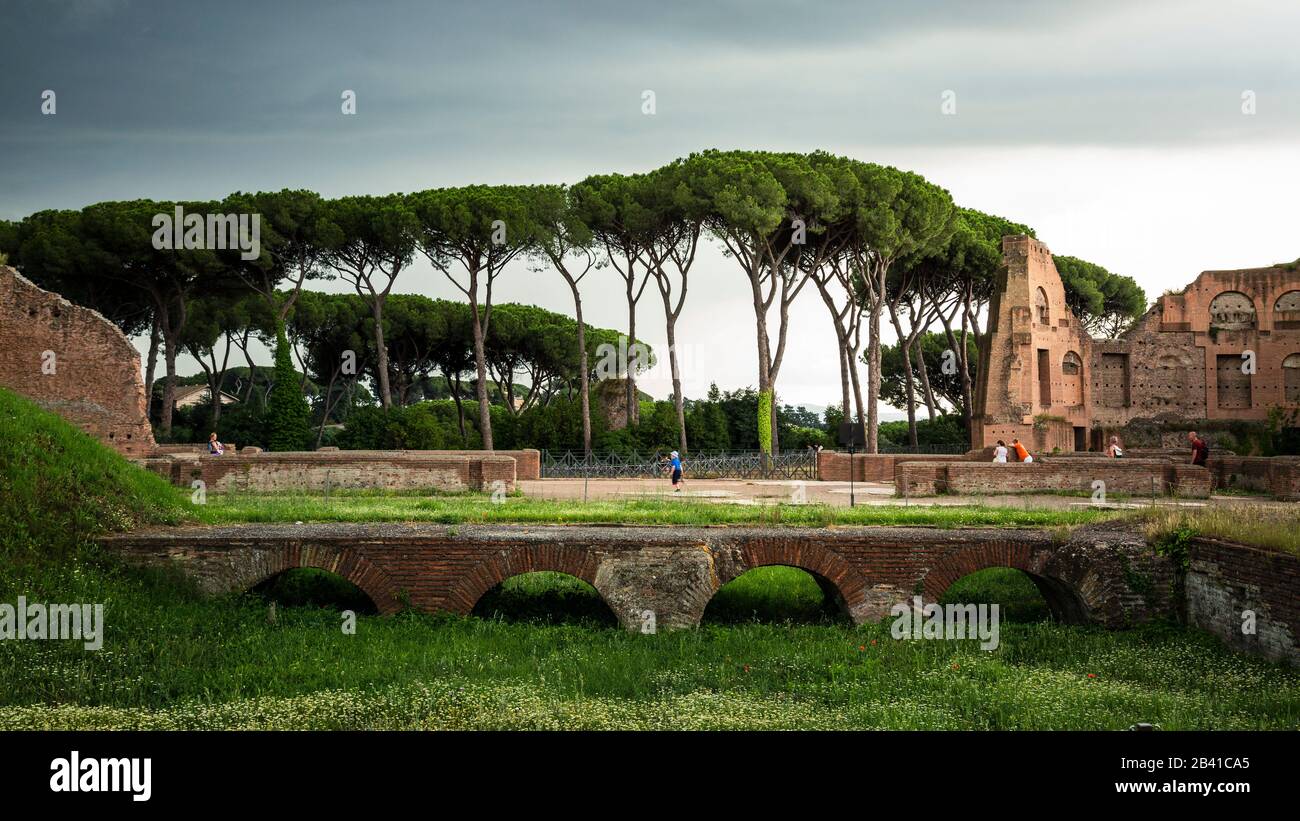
(829, 569)
(1066, 599)
(342, 561)
(509, 562)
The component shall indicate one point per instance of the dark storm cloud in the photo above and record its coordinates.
(197, 99)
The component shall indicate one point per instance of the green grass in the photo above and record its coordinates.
(59, 486)
(537, 658)
(1270, 527)
(224, 508)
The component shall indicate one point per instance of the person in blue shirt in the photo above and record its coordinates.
(675, 463)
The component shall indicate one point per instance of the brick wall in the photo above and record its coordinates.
(1133, 476)
(833, 466)
(673, 572)
(91, 374)
(1224, 580)
(1284, 478)
(316, 471)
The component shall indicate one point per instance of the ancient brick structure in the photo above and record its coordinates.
(1101, 574)
(672, 572)
(1226, 348)
(323, 471)
(1139, 477)
(74, 362)
(833, 466)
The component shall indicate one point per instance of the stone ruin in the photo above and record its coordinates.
(72, 361)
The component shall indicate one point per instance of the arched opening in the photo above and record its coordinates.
(1232, 311)
(1042, 313)
(1021, 596)
(1291, 378)
(313, 587)
(780, 594)
(545, 597)
(1286, 311)
(1072, 378)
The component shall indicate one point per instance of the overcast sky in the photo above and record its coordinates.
(1116, 131)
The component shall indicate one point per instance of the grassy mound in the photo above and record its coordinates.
(59, 487)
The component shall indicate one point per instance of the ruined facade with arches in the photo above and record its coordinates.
(1225, 347)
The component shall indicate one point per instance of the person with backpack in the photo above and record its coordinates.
(1200, 449)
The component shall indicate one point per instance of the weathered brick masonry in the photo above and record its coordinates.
(1131, 476)
(1224, 581)
(72, 361)
(331, 470)
(1042, 378)
(1101, 574)
(672, 572)
(833, 466)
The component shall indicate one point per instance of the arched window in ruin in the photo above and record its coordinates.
(1072, 379)
(1291, 378)
(1286, 311)
(1040, 307)
(1232, 311)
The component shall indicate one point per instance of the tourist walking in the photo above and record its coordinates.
(675, 465)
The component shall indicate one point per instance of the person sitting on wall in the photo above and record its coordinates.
(1200, 450)
(1022, 455)
(1000, 452)
(1114, 450)
(215, 448)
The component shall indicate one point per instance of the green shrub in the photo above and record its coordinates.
(287, 413)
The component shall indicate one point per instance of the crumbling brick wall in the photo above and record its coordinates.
(72, 361)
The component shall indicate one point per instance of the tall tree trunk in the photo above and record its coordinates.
(873, 379)
(460, 409)
(583, 387)
(381, 351)
(924, 373)
(151, 364)
(325, 411)
(480, 365)
(169, 383)
(671, 327)
(966, 400)
(909, 392)
(633, 403)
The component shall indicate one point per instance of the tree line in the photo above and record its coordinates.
(876, 243)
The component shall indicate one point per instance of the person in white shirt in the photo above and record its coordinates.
(1000, 452)
(1114, 451)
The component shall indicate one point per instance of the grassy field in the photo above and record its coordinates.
(541, 651)
(1267, 526)
(378, 506)
(174, 662)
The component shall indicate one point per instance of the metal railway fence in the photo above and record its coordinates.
(799, 464)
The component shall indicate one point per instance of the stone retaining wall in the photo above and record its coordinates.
(1131, 476)
(322, 471)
